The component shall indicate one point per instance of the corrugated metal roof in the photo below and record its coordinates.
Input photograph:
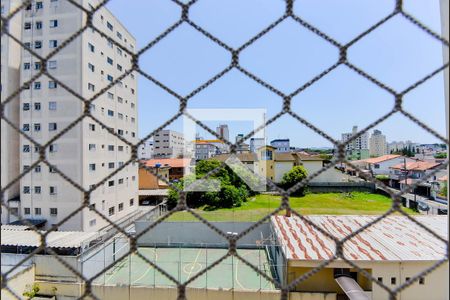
(394, 238)
(58, 239)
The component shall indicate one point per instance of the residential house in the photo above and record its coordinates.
(178, 167)
(381, 165)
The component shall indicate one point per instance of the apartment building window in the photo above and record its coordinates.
(111, 183)
(37, 106)
(27, 25)
(26, 66)
(26, 189)
(38, 25)
(91, 67)
(111, 211)
(26, 168)
(110, 95)
(53, 23)
(131, 201)
(52, 190)
(111, 165)
(27, 45)
(91, 87)
(91, 167)
(110, 26)
(110, 147)
(26, 211)
(37, 149)
(37, 169)
(92, 127)
(92, 147)
(120, 99)
(39, 5)
(393, 280)
(52, 105)
(53, 148)
(37, 65)
(109, 78)
(120, 148)
(37, 189)
(133, 134)
(119, 35)
(132, 91)
(37, 126)
(120, 206)
(52, 126)
(53, 211)
(37, 211)
(51, 170)
(422, 280)
(133, 105)
(120, 132)
(119, 51)
(52, 64)
(26, 127)
(120, 116)
(37, 85)
(119, 67)
(52, 84)
(52, 43)
(110, 113)
(26, 107)
(109, 60)
(92, 222)
(91, 47)
(133, 178)
(37, 44)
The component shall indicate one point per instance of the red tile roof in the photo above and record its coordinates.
(377, 160)
(416, 166)
(171, 162)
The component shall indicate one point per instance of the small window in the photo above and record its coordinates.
(37, 106)
(110, 26)
(26, 210)
(92, 147)
(131, 202)
(37, 169)
(422, 280)
(110, 113)
(110, 78)
(110, 147)
(52, 43)
(111, 165)
(52, 85)
(92, 222)
(53, 211)
(92, 127)
(26, 107)
(37, 65)
(53, 23)
(111, 211)
(26, 189)
(39, 5)
(91, 167)
(111, 183)
(91, 67)
(37, 85)
(393, 280)
(26, 66)
(53, 148)
(26, 127)
(52, 105)
(26, 148)
(91, 87)
(52, 190)
(52, 126)
(38, 25)
(37, 189)
(91, 47)
(37, 126)
(120, 206)
(27, 26)
(52, 64)
(38, 45)
(37, 211)
(109, 60)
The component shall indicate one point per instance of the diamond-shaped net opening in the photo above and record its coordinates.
(276, 37)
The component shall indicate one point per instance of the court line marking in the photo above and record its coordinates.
(149, 267)
(193, 264)
(237, 280)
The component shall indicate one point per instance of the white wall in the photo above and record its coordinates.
(281, 168)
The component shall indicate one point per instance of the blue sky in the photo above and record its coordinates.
(398, 54)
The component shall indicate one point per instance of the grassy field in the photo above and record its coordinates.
(255, 208)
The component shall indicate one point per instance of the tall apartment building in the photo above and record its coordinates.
(169, 144)
(281, 145)
(10, 75)
(146, 149)
(377, 144)
(87, 153)
(359, 147)
(223, 132)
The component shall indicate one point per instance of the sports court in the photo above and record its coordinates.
(185, 263)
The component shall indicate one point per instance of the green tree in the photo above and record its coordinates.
(297, 174)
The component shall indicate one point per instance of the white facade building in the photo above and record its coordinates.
(281, 145)
(10, 75)
(169, 144)
(256, 143)
(360, 143)
(87, 153)
(146, 150)
(377, 144)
